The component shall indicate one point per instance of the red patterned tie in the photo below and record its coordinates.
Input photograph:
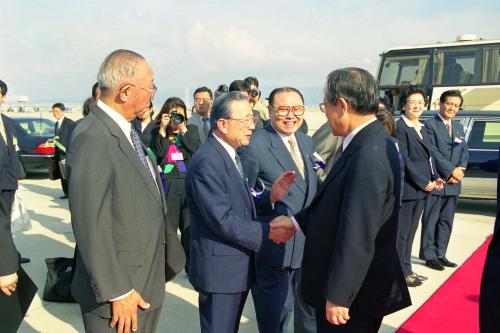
(448, 125)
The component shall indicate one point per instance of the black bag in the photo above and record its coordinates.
(58, 284)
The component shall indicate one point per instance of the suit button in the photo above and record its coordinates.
(164, 242)
(246, 213)
(289, 194)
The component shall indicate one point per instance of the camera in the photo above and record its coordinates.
(254, 93)
(177, 118)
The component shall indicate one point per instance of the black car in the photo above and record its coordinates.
(482, 133)
(32, 134)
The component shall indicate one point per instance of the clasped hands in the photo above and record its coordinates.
(8, 283)
(281, 229)
(456, 175)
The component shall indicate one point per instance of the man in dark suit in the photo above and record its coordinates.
(276, 148)
(451, 154)
(203, 100)
(224, 232)
(489, 297)
(61, 130)
(118, 207)
(9, 174)
(350, 271)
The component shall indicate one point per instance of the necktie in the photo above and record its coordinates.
(239, 166)
(206, 126)
(2, 131)
(337, 154)
(448, 126)
(295, 155)
(56, 128)
(136, 141)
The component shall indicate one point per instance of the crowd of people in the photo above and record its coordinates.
(319, 229)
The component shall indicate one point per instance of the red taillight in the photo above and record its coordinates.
(45, 148)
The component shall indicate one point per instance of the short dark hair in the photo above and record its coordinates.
(170, 103)
(412, 90)
(87, 106)
(387, 120)
(281, 90)
(451, 93)
(222, 106)
(356, 86)
(59, 106)
(94, 89)
(3, 88)
(252, 80)
(239, 85)
(204, 89)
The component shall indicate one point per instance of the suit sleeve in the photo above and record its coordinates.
(361, 217)
(91, 200)
(443, 165)
(464, 156)
(411, 172)
(9, 259)
(191, 139)
(207, 189)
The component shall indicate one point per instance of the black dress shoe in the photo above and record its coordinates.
(419, 277)
(412, 281)
(446, 262)
(63, 197)
(25, 260)
(434, 264)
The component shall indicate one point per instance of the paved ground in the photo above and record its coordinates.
(52, 236)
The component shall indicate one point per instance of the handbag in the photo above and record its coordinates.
(58, 284)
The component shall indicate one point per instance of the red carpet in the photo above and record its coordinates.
(454, 307)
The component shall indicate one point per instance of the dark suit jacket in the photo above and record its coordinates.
(350, 252)
(447, 152)
(9, 174)
(224, 233)
(62, 132)
(118, 215)
(489, 311)
(267, 158)
(416, 153)
(197, 120)
(149, 132)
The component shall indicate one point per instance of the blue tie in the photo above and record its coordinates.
(136, 141)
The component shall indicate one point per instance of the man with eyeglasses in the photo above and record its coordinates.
(276, 148)
(224, 231)
(451, 154)
(118, 208)
(244, 88)
(203, 100)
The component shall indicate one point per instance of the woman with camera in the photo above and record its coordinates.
(174, 145)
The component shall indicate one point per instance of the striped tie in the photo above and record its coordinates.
(294, 153)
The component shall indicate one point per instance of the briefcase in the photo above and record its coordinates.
(58, 284)
(62, 168)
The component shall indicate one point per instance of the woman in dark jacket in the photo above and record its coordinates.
(419, 178)
(145, 125)
(174, 144)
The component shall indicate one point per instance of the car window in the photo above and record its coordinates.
(485, 134)
(41, 127)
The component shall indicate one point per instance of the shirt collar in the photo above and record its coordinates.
(351, 135)
(410, 123)
(446, 122)
(230, 150)
(120, 120)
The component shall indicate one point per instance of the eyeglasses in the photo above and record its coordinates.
(415, 103)
(247, 122)
(151, 91)
(297, 110)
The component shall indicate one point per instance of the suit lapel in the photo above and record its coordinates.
(233, 173)
(130, 153)
(282, 156)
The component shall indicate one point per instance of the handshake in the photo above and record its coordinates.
(281, 229)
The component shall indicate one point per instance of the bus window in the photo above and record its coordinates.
(457, 67)
(410, 69)
(491, 71)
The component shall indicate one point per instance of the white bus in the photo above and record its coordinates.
(469, 64)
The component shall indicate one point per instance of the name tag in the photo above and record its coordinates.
(177, 156)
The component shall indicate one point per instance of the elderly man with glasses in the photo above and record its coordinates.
(280, 146)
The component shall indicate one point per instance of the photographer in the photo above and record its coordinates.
(174, 145)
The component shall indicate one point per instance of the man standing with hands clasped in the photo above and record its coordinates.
(350, 271)
(224, 232)
(118, 207)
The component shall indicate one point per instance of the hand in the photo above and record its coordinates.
(8, 283)
(282, 229)
(124, 312)
(281, 185)
(336, 314)
(439, 184)
(458, 173)
(430, 187)
(165, 121)
(452, 180)
(182, 128)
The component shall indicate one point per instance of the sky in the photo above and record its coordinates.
(52, 50)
